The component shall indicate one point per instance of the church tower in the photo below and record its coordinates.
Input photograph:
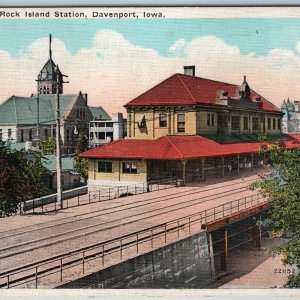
(47, 78)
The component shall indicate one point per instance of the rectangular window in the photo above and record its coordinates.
(22, 135)
(208, 120)
(269, 123)
(162, 120)
(235, 122)
(109, 125)
(278, 124)
(9, 133)
(180, 122)
(246, 122)
(274, 123)
(254, 123)
(46, 132)
(0, 134)
(129, 167)
(30, 134)
(54, 132)
(105, 166)
(68, 134)
(101, 135)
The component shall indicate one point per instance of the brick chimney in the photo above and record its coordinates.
(189, 70)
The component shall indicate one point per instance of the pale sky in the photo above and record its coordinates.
(116, 60)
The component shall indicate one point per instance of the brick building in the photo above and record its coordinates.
(33, 118)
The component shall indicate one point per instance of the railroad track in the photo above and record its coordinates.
(99, 212)
(45, 241)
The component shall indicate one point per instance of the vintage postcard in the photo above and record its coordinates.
(150, 148)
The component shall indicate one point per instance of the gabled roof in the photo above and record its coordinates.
(23, 110)
(182, 89)
(176, 148)
(99, 113)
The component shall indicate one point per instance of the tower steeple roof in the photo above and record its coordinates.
(47, 77)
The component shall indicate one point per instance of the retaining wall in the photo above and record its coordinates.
(183, 264)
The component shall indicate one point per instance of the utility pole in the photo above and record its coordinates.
(58, 144)
(59, 81)
(38, 119)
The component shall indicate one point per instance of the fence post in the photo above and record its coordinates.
(42, 205)
(205, 217)
(7, 281)
(214, 213)
(108, 193)
(177, 228)
(189, 224)
(99, 196)
(33, 206)
(67, 203)
(55, 205)
(238, 205)
(78, 200)
(143, 187)
(83, 258)
(36, 277)
(165, 233)
(118, 192)
(137, 243)
(89, 197)
(158, 185)
(61, 270)
(223, 208)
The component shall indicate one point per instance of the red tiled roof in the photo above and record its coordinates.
(182, 89)
(176, 147)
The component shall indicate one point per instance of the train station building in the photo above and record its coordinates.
(189, 128)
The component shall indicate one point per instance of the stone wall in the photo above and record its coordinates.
(184, 264)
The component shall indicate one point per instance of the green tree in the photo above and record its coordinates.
(283, 186)
(22, 177)
(47, 145)
(81, 164)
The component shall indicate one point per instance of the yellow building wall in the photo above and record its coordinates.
(272, 131)
(117, 170)
(153, 130)
(195, 122)
(201, 122)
